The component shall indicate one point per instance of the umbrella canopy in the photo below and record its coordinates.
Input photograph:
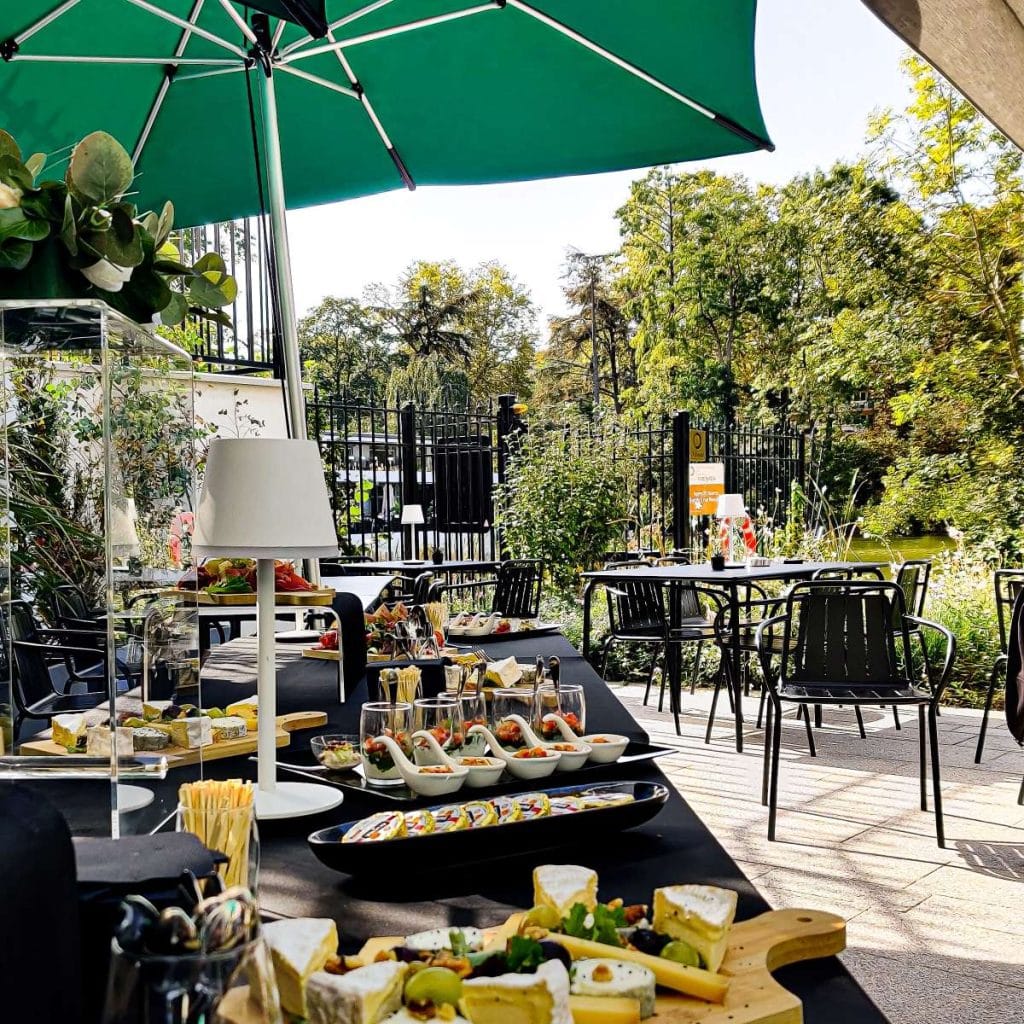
(977, 44)
(395, 92)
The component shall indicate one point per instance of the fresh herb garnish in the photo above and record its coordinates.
(524, 955)
(599, 925)
(458, 943)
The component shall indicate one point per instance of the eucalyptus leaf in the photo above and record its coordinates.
(175, 311)
(213, 290)
(100, 170)
(212, 262)
(8, 147)
(166, 223)
(163, 265)
(68, 229)
(15, 224)
(14, 172)
(15, 254)
(150, 223)
(123, 249)
(35, 164)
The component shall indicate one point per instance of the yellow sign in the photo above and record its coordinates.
(707, 485)
(698, 445)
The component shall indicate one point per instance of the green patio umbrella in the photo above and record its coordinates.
(370, 96)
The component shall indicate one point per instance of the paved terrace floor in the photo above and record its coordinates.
(935, 935)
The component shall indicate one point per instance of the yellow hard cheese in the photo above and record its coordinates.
(604, 1010)
(691, 981)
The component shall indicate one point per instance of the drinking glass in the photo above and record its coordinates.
(510, 702)
(441, 716)
(379, 718)
(569, 701)
(231, 831)
(474, 712)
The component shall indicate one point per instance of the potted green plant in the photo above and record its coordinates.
(81, 238)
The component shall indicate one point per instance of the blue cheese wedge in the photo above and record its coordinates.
(146, 738)
(69, 731)
(698, 914)
(97, 742)
(230, 727)
(437, 939)
(298, 949)
(541, 998)
(615, 978)
(364, 996)
(192, 732)
(562, 886)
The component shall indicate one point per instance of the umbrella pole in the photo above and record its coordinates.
(283, 273)
(282, 258)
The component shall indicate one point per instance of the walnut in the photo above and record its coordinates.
(602, 972)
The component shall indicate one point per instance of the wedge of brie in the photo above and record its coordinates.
(299, 948)
(541, 998)
(698, 914)
(563, 885)
(503, 673)
(364, 996)
(98, 742)
(69, 731)
(192, 732)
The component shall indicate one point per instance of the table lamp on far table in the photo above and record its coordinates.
(731, 512)
(412, 515)
(265, 498)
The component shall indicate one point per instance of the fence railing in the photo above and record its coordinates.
(380, 459)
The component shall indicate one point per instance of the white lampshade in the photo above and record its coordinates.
(730, 506)
(412, 515)
(264, 498)
(124, 537)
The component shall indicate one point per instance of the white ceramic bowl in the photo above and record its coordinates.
(571, 760)
(606, 747)
(425, 782)
(533, 767)
(484, 627)
(482, 775)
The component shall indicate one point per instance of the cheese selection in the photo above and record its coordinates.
(699, 915)
(298, 949)
(561, 886)
(366, 995)
(615, 978)
(538, 998)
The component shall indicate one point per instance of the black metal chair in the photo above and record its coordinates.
(636, 615)
(33, 649)
(422, 588)
(834, 643)
(1008, 584)
(517, 584)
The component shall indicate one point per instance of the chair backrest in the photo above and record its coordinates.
(634, 605)
(861, 572)
(841, 633)
(1008, 584)
(421, 587)
(912, 578)
(68, 606)
(31, 676)
(518, 590)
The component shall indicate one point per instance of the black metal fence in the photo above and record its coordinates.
(250, 345)
(380, 460)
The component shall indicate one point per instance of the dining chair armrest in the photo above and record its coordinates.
(947, 663)
(443, 588)
(763, 626)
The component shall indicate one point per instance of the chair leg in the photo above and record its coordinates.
(927, 661)
(933, 736)
(1020, 795)
(984, 718)
(714, 700)
(696, 667)
(761, 703)
(817, 716)
(773, 781)
(921, 726)
(650, 674)
(767, 758)
(896, 717)
(810, 734)
(860, 722)
(605, 648)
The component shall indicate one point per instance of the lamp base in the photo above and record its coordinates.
(132, 798)
(295, 800)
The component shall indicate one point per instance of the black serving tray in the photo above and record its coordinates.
(354, 782)
(441, 849)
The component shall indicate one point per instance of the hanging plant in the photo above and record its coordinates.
(80, 237)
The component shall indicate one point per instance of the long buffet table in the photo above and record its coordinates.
(673, 847)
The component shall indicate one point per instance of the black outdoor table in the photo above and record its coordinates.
(674, 847)
(463, 566)
(730, 580)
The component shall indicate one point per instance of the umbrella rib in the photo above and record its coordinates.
(638, 72)
(394, 30)
(317, 80)
(239, 21)
(396, 158)
(212, 37)
(165, 84)
(46, 19)
(64, 58)
(347, 20)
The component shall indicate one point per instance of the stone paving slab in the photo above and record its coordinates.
(935, 935)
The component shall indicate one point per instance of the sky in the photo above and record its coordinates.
(822, 67)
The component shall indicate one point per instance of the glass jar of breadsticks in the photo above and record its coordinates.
(437, 615)
(403, 684)
(222, 814)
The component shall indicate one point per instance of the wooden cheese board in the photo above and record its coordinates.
(321, 596)
(757, 947)
(319, 653)
(178, 757)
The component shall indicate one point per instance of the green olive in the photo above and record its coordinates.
(681, 953)
(436, 985)
(543, 917)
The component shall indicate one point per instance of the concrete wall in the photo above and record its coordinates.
(241, 406)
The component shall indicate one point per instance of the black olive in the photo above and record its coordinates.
(406, 955)
(556, 951)
(648, 941)
(491, 967)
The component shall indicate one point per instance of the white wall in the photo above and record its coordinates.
(241, 406)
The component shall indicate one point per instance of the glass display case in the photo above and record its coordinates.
(97, 485)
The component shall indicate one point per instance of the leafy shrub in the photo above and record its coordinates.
(565, 500)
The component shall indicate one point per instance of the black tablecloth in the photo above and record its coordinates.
(674, 847)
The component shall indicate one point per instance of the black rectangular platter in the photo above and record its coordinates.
(442, 849)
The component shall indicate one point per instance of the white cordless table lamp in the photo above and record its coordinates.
(266, 498)
(412, 515)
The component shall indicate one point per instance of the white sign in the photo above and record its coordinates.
(707, 485)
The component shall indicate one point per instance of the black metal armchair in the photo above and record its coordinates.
(33, 649)
(517, 585)
(1009, 584)
(837, 642)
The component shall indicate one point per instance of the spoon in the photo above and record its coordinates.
(555, 668)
